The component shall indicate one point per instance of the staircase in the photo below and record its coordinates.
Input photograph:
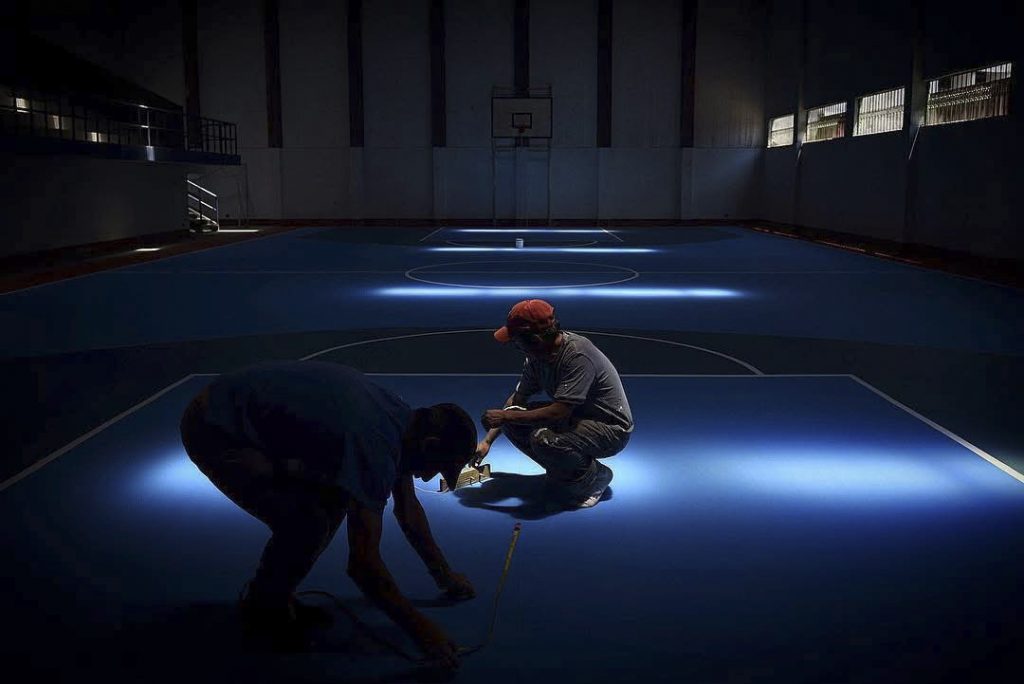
(203, 209)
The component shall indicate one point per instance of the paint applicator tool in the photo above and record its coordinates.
(471, 474)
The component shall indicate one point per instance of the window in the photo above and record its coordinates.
(969, 95)
(94, 136)
(21, 104)
(780, 131)
(880, 113)
(826, 123)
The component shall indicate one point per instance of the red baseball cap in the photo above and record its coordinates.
(528, 315)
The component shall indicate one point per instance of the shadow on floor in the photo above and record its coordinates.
(535, 500)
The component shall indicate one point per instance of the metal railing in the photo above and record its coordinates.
(203, 208)
(84, 118)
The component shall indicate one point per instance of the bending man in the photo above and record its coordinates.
(300, 446)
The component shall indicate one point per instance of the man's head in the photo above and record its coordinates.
(531, 326)
(442, 439)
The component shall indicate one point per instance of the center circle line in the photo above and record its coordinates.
(411, 274)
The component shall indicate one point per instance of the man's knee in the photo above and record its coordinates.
(547, 441)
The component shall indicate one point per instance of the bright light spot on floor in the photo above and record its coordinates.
(843, 477)
(175, 478)
(148, 249)
(548, 231)
(610, 292)
(534, 250)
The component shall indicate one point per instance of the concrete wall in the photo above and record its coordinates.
(957, 189)
(137, 41)
(645, 174)
(397, 173)
(61, 201)
(729, 116)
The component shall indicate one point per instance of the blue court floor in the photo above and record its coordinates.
(824, 484)
(784, 529)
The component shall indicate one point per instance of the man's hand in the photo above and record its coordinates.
(493, 418)
(437, 646)
(456, 586)
(482, 449)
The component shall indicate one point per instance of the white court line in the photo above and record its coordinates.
(621, 375)
(746, 365)
(612, 234)
(948, 433)
(956, 438)
(389, 339)
(673, 343)
(492, 272)
(431, 233)
(92, 433)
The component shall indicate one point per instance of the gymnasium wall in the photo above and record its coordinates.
(952, 186)
(61, 201)
(398, 173)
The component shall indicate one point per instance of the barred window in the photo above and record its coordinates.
(969, 95)
(826, 123)
(780, 131)
(880, 113)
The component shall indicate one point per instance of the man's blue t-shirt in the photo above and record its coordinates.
(328, 420)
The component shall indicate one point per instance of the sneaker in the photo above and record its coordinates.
(601, 482)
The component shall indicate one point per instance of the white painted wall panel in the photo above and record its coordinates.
(397, 182)
(574, 182)
(314, 74)
(729, 109)
(396, 73)
(639, 183)
(563, 55)
(62, 201)
(462, 182)
(646, 78)
(232, 73)
(478, 56)
(726, 183)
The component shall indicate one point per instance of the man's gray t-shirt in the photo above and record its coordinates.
(580, 375)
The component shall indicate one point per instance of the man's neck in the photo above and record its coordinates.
(556, 346)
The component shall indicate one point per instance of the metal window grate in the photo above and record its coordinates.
(969, 95)
(780, 131)
(826, 123)
(880, 113)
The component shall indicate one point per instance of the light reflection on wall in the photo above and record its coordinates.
(616, 292)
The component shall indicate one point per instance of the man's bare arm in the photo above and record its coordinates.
(554, 412)
(367, 570)
(492, 435)
(414, 524)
